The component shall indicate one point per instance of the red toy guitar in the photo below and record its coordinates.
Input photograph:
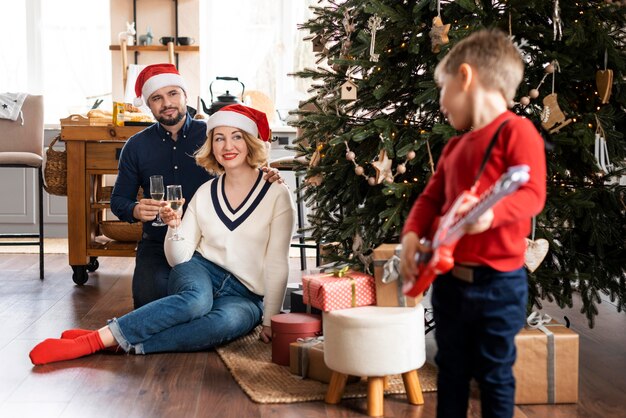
(451, 229)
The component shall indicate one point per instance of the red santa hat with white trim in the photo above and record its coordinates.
(243, 117)
(154, 77)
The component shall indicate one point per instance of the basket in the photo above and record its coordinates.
(55, 171)
(121, 231)
(103, 194)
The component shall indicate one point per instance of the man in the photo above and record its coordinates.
(165, 148)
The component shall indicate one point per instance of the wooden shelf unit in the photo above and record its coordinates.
(92, 152)
(156, 48)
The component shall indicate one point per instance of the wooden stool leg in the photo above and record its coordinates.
(335, 388)
(375, 396)
(413, 388)
(386, 382)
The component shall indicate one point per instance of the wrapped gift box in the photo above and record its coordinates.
(546, 370)
(331, 291)
(306, 359)
(388, 280)
(287, 328)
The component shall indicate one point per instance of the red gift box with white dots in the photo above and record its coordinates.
(328, 293)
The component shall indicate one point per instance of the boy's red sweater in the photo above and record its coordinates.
(502, 246)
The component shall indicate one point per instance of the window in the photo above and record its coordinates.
(257, 41)
(58, 49)
(61, 49)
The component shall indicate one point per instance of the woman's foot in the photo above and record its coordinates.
(71, 334)
(53, 350)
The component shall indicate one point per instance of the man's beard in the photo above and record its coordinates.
(163, 120)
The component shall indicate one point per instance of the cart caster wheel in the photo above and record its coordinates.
(93, 264)
(80, 275)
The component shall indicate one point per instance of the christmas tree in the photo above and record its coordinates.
(372, 131)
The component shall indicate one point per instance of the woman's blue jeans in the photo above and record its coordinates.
(475, 328)
(206, 306)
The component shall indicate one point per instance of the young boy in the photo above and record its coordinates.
(480, 305)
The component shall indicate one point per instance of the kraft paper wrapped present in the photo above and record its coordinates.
(546, 370)
(339, 290)
(388, 280)
(306, 359)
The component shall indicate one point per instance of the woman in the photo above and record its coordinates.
(231, 268)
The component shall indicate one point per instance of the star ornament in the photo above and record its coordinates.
(439, 34)
(382, 167)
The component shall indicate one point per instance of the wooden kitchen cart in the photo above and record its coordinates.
(92, 152)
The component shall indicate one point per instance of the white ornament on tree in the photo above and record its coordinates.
(601, 152)
(373, 23)
(383, 167)
(536, 250)
(348, 91)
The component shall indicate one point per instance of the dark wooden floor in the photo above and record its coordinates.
(198, 384)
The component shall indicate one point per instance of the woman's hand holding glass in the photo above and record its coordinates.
(172, 217)
(175, 202)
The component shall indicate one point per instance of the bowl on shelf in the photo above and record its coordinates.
(185, 40)
(122, 231)
(167, 39)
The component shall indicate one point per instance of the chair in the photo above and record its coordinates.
(375, 342)
(291, 164)
(22, 146)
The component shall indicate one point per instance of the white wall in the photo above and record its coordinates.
(159, 15)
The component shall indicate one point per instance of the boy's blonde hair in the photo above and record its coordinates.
(491, 53)
(257, 153)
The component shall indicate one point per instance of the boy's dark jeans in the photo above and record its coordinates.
(475, 328)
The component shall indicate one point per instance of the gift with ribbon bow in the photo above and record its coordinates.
(338, 289)
(546, 370)
(387, 274)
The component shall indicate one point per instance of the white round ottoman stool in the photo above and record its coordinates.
(375, 342)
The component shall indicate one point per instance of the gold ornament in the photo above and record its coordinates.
(552, 117)
(383, 167)
(439, 34)
(604, 83)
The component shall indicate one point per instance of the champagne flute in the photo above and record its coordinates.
(157, 193)
(175, 201)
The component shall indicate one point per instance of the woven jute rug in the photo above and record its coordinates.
(250, 362)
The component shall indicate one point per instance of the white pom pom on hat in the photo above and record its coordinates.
(154, 77)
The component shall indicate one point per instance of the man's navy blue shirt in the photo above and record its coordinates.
(151, 152)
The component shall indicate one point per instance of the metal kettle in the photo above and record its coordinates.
(224, 99)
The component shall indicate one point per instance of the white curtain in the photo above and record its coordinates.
(59, 49)
(258, 42)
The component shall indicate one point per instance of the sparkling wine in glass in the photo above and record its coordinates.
(157, 192)
(175, 201)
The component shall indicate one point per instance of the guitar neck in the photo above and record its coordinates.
(506, 184)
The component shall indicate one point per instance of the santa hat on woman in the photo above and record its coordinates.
(243, 117)
(154, 77)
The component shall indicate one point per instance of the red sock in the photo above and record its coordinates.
(72, 334)
(53, 349)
